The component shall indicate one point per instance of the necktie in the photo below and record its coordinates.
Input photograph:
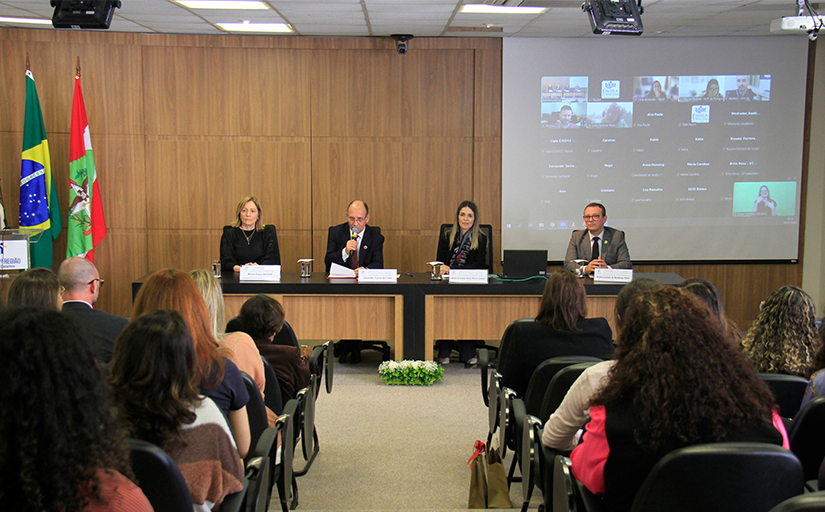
(353, 260)
(594, 253)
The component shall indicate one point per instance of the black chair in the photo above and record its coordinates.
(807, 436)
(787, 390)
(707, 477)
(283, 474)
(256, 412)
(272, 389)
(811, 502)
(485, 363)
(536, 460)
(286, 336)
(159, 477)
(514, 410)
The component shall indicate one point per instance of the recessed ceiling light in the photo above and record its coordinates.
(245, 26)
(30, 21)
(240, 5)
(500, 9)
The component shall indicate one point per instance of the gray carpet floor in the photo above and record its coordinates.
(395, 447)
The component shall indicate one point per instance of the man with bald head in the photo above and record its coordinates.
(81, 281)
(356, 245)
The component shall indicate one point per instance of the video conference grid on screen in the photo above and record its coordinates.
(699, 166)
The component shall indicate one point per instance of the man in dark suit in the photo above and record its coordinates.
(356, 245)
(81, 281)
(600, 246)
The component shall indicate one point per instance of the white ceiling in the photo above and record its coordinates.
(432, 18)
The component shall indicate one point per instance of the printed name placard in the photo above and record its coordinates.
(468, 276)
(613, 275)
(377, 275)
(265, 273)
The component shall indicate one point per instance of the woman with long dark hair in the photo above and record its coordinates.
(151, 378)
(561, 328)
(215, 375)
(60, 446)
(677, 382)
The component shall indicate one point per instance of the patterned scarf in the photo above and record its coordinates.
(461, 248)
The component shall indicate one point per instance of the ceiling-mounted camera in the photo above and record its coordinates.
(401, 42)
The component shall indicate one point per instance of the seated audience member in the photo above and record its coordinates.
(242, 350)
(677, 382)
(463, 247)
(707, 291)
(36, 287)
(559, 329)
(783, 338)
(215, 375)
(248, 241)
(62, 450)
(262, 317)
(816, 387)
(151, 379)
(81, 283)
(574, 411)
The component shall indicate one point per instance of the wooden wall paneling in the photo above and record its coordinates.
(487, 188)
(121, 174)
(294, 245)
(121, 258)
(435, 93)
(197, 182)
(352, 93)
(742, 287)
(487, 92)
(408, 184)
(182, 249)
(410, 250)
(279, 92)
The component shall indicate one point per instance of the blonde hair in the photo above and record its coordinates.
(259, 225)
(213, 296)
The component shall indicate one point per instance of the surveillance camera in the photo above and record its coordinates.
(401, 42)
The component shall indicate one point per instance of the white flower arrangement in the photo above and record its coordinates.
(421, 373)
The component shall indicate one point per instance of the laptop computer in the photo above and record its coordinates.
(521, 264)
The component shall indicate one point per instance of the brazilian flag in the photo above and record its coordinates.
(38, 196)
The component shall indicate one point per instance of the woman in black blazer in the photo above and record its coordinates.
(464, 247)
(247, 241)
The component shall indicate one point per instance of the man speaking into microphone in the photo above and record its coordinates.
(356, 245)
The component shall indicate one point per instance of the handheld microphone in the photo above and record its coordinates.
(353, 234)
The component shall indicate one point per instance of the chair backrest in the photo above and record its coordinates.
(233, 325)
(159, 477)
(286, 336)
(787, 391)
(721, 477)
(272, 389)
(256, 411)
(807, 436)
(810, 502)
(543, 374)
(487, 229)
(558, 387)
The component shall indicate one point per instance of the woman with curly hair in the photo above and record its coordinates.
(151, 378)
(60, 445)
(816, 386)
(559, 329)
(215, 375)
(783, 338)
(677, 382)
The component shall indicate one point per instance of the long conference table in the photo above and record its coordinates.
(412, 313)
